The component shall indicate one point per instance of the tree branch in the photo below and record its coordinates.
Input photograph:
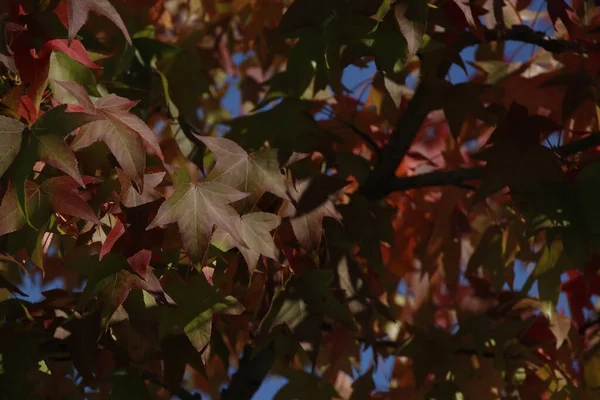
(524, 34)
(382, 180)
(458, 178)
(462, 176)
(461, 350)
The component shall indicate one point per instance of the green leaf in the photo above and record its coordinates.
(11, 132)
(549, 258)
(388, 46)
(283, 126)
(304, 14)
(54, 151)
(306, 69)
(22, 168)
(313, 288)
(552, 263)
(318, 192)
(199, 329)
(383, 9)
(411, 16)
(186, 93)
(302, 385)
(113, 278)
(283, 310)
(57, 121)
(63, 69)
(489, 254)
(198, 302)
(11, 217)
(150, 51)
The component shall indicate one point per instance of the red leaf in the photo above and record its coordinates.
(65, 199)
(131, 197)
(117, 231)
(579, 290)
(124, 133)
(140, 262)
(34, 66)
(76, 51)
(11, 217)
(78, 12)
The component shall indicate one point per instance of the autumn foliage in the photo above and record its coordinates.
(437, 235)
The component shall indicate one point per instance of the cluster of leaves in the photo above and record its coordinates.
(188, 241)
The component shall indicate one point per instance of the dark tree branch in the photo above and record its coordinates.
(524, 34)
(458, 178)
(580, 145)
(395, 345)
(462, 176)
(382, 177)
(382, 180)
(407, 128)
(367, 139)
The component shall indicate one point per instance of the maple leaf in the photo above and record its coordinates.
(78, 11)
(75, 50)
(50, 129)
(412, 20)
(34, 66)
(202, 301)
(131, 197)
(11, 132)
(580, 87)
(579, 289)
(516, 159)
(303, 385)
(11, 217)
(458, 101)
(254, 173)
(62, 193)
(318, 192)
(124, 133)
(198, 208)
(114, 279)
(308, 227)
(115, 233)
(255, 228)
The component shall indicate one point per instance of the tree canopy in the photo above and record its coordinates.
(206, 202)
